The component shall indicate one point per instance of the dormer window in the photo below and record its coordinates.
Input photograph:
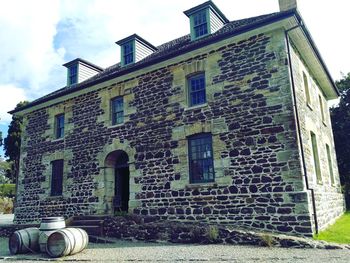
(73, 74)
(79, 70)
(205, 19)
(128, 53)
(133, 49)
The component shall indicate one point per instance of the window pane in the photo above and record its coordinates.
(316, 158)
(128, 55)
(330, 165)
(200, 24)
(57, 177)
(60, 126)
(117, 110)
(321, 107)
(306, 87)
(73, 74)
(197, 90)
(201, 159)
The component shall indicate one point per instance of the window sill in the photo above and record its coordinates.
(200, 185)
(309, 106)
(54, 197)
(196, 107)
(58, 139)
(319, 182)
(115, 125)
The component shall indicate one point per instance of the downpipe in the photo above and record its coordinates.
(299, 129)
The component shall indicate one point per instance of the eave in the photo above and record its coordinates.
(301, 38)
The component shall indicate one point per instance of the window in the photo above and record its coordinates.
(73, 74)
(117, 110)
(57, 177)
(200, 25)
(330, 165)
(316, 158)
(321, 107)
(196, 88)
(59, 126)
(201, 158)
(306, 88)
(128, 53)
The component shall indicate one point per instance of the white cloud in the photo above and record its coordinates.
(28, 59)
(10, 96)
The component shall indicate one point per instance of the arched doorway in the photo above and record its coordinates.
(118, 161)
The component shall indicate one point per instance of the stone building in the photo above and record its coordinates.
(228, 124)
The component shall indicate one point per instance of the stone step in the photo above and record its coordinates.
(85, 222)
(92, 230)
(101, 240)
(90, 217)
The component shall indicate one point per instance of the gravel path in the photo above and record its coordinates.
(125, 251)
(6, 219)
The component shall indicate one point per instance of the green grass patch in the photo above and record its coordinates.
(339, 232)
(7, 190)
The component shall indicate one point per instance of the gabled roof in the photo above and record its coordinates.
(172, 49)
(208, 4)
(137, 37)
(83, 61)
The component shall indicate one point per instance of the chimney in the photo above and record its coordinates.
(288, 4)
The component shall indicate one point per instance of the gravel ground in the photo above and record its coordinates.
(125, 251)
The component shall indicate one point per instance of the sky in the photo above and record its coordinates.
(38, 36)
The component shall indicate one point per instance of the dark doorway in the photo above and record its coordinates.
(121, 185)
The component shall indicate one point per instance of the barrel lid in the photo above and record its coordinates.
(52, 219)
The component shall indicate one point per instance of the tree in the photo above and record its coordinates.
(340, 115)
(0, 139)
(12, 143)
(5, 169)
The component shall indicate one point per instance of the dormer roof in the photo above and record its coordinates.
(209, 4)
(85, 62)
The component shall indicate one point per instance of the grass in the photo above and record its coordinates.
(7, 190)
(339, 232)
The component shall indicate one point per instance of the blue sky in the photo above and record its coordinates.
(38, 36)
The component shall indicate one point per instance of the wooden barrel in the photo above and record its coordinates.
(66, 241)
(48, 226)
(25, 240)
(51, 223)
(43, 236)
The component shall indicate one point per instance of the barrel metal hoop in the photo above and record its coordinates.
(29, 239)
(66, 239)
(20, 240)
(83, 237)
(74, 242)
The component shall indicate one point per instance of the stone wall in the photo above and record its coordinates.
(258, 179)
(328, 196)
(146, 229)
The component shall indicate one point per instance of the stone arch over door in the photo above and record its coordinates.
(106, 179)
